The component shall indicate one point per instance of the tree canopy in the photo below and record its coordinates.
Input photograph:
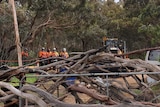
(78, 25)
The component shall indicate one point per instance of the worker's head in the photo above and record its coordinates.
(64, 49)
(48, 50)
(43, 48)
(54, 49)
(25, 49)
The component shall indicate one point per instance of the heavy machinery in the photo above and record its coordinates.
(113, 45)
(152, 57)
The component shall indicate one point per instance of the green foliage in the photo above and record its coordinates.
(137, 91)
(16, 82)
(79, 25)
(157, 87)
(150, 19)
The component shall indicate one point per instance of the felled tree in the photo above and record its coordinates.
(85, 62)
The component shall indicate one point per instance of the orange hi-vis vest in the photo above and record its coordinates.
(43, 54)
(55, 54)
(24, 54)
(64, 54)
(49, 54)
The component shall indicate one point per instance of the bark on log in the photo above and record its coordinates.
(56, 103)
(138, 51)
(85, 62)
(31, 97)
(93, 94)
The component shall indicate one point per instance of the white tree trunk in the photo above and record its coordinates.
(18, 44)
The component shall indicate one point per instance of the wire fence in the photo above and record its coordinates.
(96, 74)
(87, 74)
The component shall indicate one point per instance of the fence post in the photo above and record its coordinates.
(20, 86)
(107, 85)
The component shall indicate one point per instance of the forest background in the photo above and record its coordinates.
(78, 25)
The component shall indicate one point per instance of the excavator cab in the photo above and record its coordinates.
(114, 46)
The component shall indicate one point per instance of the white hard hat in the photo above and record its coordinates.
(113, 48)
(54, 49)
(64, 49)
(43, 48)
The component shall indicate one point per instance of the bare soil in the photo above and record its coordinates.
(70, 98)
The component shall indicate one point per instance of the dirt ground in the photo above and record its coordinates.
(70, 99)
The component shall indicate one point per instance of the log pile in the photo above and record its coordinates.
(102, 92)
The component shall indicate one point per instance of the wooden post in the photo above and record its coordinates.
(18, 44)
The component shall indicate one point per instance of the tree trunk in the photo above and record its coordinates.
(18, 44)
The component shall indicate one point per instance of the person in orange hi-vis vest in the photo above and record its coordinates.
(55, 53)
(49, 55)
(42, 55)
(25, 56)
(71, 79)
(64, 53)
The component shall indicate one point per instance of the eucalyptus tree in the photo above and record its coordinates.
(78, 25)
(150, 16)
(7, 31)
(72, 19)
(51, 23)
(141, 23)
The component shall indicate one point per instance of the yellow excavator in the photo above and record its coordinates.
(114, 45)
